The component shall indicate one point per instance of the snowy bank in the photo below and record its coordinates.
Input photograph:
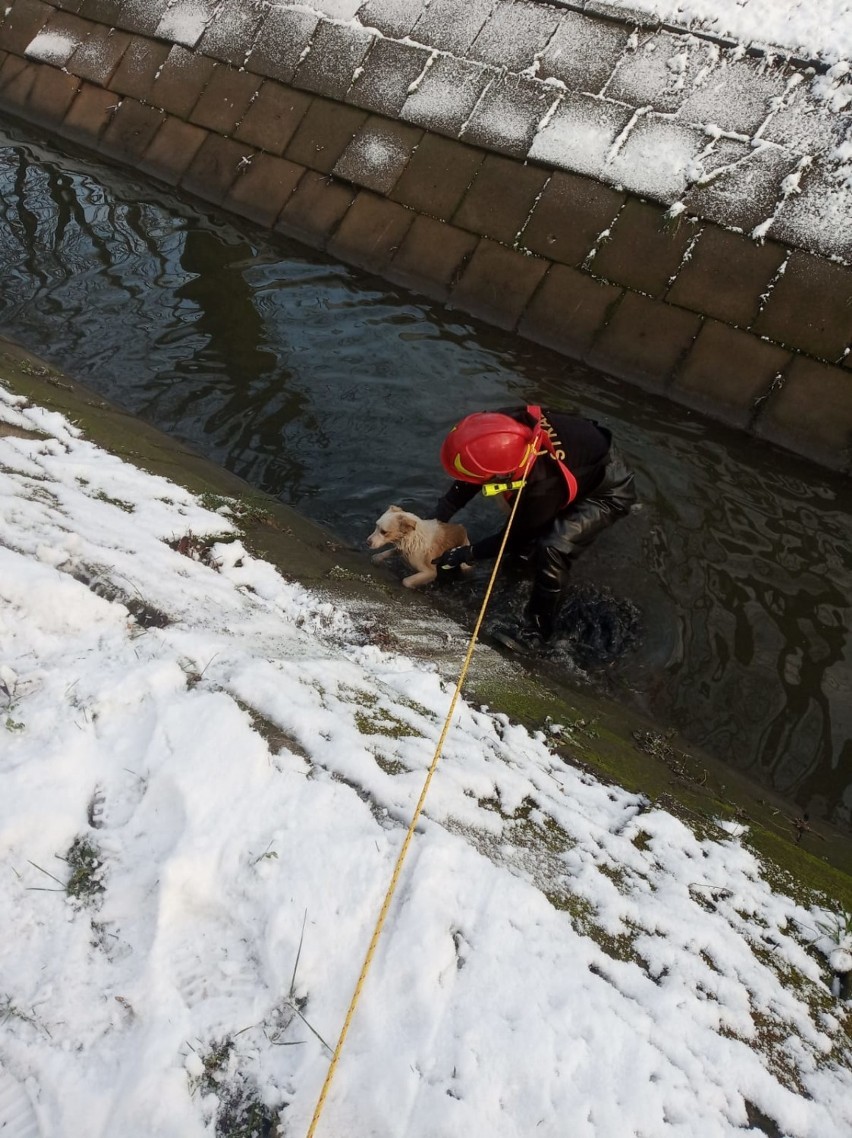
(207, 772)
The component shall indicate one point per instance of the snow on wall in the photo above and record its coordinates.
(631, 104)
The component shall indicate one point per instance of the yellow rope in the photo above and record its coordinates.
(377, 931)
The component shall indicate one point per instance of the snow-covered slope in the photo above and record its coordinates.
(206, 776)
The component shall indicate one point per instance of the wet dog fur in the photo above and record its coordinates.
(419, 540)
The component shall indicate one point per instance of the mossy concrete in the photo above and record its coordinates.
(613, 742)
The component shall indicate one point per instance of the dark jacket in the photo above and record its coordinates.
(586, 447)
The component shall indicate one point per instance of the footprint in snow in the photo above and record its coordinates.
(17, 1113)
(114, 807)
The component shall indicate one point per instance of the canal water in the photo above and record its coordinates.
(721, 606)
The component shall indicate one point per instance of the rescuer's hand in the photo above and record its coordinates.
(453, 558)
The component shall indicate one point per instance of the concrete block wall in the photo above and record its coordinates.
(293, 121)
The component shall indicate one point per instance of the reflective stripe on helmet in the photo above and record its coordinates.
(460, 467)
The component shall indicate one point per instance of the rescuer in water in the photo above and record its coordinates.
(574, 486)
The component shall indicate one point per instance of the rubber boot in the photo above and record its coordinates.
(526, 638)
(536, 627)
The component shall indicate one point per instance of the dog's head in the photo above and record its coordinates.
(391, 528)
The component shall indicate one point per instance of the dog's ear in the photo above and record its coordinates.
(395, 509)
(405, 523)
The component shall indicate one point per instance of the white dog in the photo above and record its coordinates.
(419, 540)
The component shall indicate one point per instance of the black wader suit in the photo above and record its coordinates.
(548, 531)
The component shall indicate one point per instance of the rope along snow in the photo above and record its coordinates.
(377, 931)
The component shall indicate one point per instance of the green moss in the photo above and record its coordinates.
(381, 722)
(102, 496)
(275, 737)
(84, 860)
(389, 766)
(240, 1112)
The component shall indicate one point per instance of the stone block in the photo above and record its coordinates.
(437, 176)
(514, 35)
(737, 95)
(89, 114)
(323, 134)
(336, 50)
(22, 23)
(507, 116)
(371, 232)
(51, 95)
(569, 216)
(215, 167)
(130, 130)
(644, 250)
(583, 52)
(183, 77)
(378, 154)
(262, 188)
(225, 99)
(801, 124)
(185, 21)
(644, 341)
(817, 217)
(138, 68)
(726, 372)
(141, 17)
(811, 413)
(384, 81)
(431, 257)
(284, 34)
(98, 57)
(568, 310)
(660, 72)
(657, 158)
(107, 12)
(726, 275)
(810, 307)
(230, 35)
(742, 187)
(17, 77)
(497, 283)
(445, 96)
(272, 119)
(315, 209)
(580, 134)
(450, 26)
(57, 41)
(500, 199)
(172, 150)
(393, 18)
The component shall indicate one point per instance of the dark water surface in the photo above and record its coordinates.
(722, 606)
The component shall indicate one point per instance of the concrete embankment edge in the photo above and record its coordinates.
(600, 736)
(756, 335)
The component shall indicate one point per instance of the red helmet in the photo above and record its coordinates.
(487, 445)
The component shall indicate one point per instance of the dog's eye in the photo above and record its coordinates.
(383, 532)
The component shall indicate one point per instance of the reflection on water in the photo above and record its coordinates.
(334, 392)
